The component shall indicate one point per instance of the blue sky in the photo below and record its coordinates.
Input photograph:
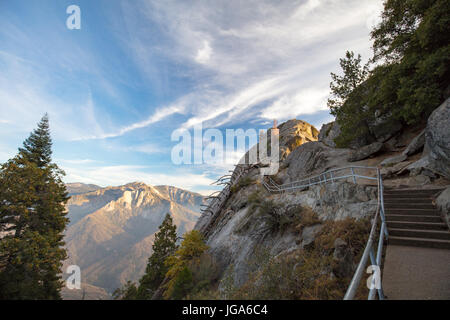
(137, 70)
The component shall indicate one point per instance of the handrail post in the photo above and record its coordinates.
(353, 174)
(383, 218)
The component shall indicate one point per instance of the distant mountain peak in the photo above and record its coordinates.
(137, 184)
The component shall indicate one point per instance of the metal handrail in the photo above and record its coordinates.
(322, 178)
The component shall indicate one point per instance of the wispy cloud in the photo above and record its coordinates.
(155, 117)
(256, 53)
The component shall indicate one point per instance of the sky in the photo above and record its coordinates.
(136, 71)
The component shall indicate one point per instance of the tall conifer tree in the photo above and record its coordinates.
(33, 219)
(163, 246)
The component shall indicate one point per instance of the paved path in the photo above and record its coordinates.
(416, 273)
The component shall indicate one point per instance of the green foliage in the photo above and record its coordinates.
(33, 216)
(191, 249)
(128, 292)
(343, 86)
(182, 284)
(164, 245)
(412, 77)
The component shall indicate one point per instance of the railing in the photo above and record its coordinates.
(331, 176)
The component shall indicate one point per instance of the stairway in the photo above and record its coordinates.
(413, 220)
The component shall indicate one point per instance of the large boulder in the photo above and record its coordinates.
(314, 158)
(415, 145)
(384, 127)
(365, 152)
(437, 140)
(292, 134)
(329, 132)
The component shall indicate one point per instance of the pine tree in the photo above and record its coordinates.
(33, 219)
(38, 147)
(164, 245)
(343, 86)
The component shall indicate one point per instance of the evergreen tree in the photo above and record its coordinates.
(164, 245)
(33, 219)
(179, 276)
(128, 292)
(343, 86)
(38, 147)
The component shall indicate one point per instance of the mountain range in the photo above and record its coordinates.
(111, 230)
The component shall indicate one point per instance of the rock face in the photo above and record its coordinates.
(329, 132)
(111, 231)
(365, 152)
(437, 140)
(313, 158)
(233, 246)
(415, 145)
(294, 133)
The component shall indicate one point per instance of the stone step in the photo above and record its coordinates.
(419, 242)
(406, 200)
(425, 192)
(406, 196)
(412, 205)
(417, 225)
(412, 218)
(415, 233)
(412, 211)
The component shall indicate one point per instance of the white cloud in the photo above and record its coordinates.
(307, 101)
(204, 54)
